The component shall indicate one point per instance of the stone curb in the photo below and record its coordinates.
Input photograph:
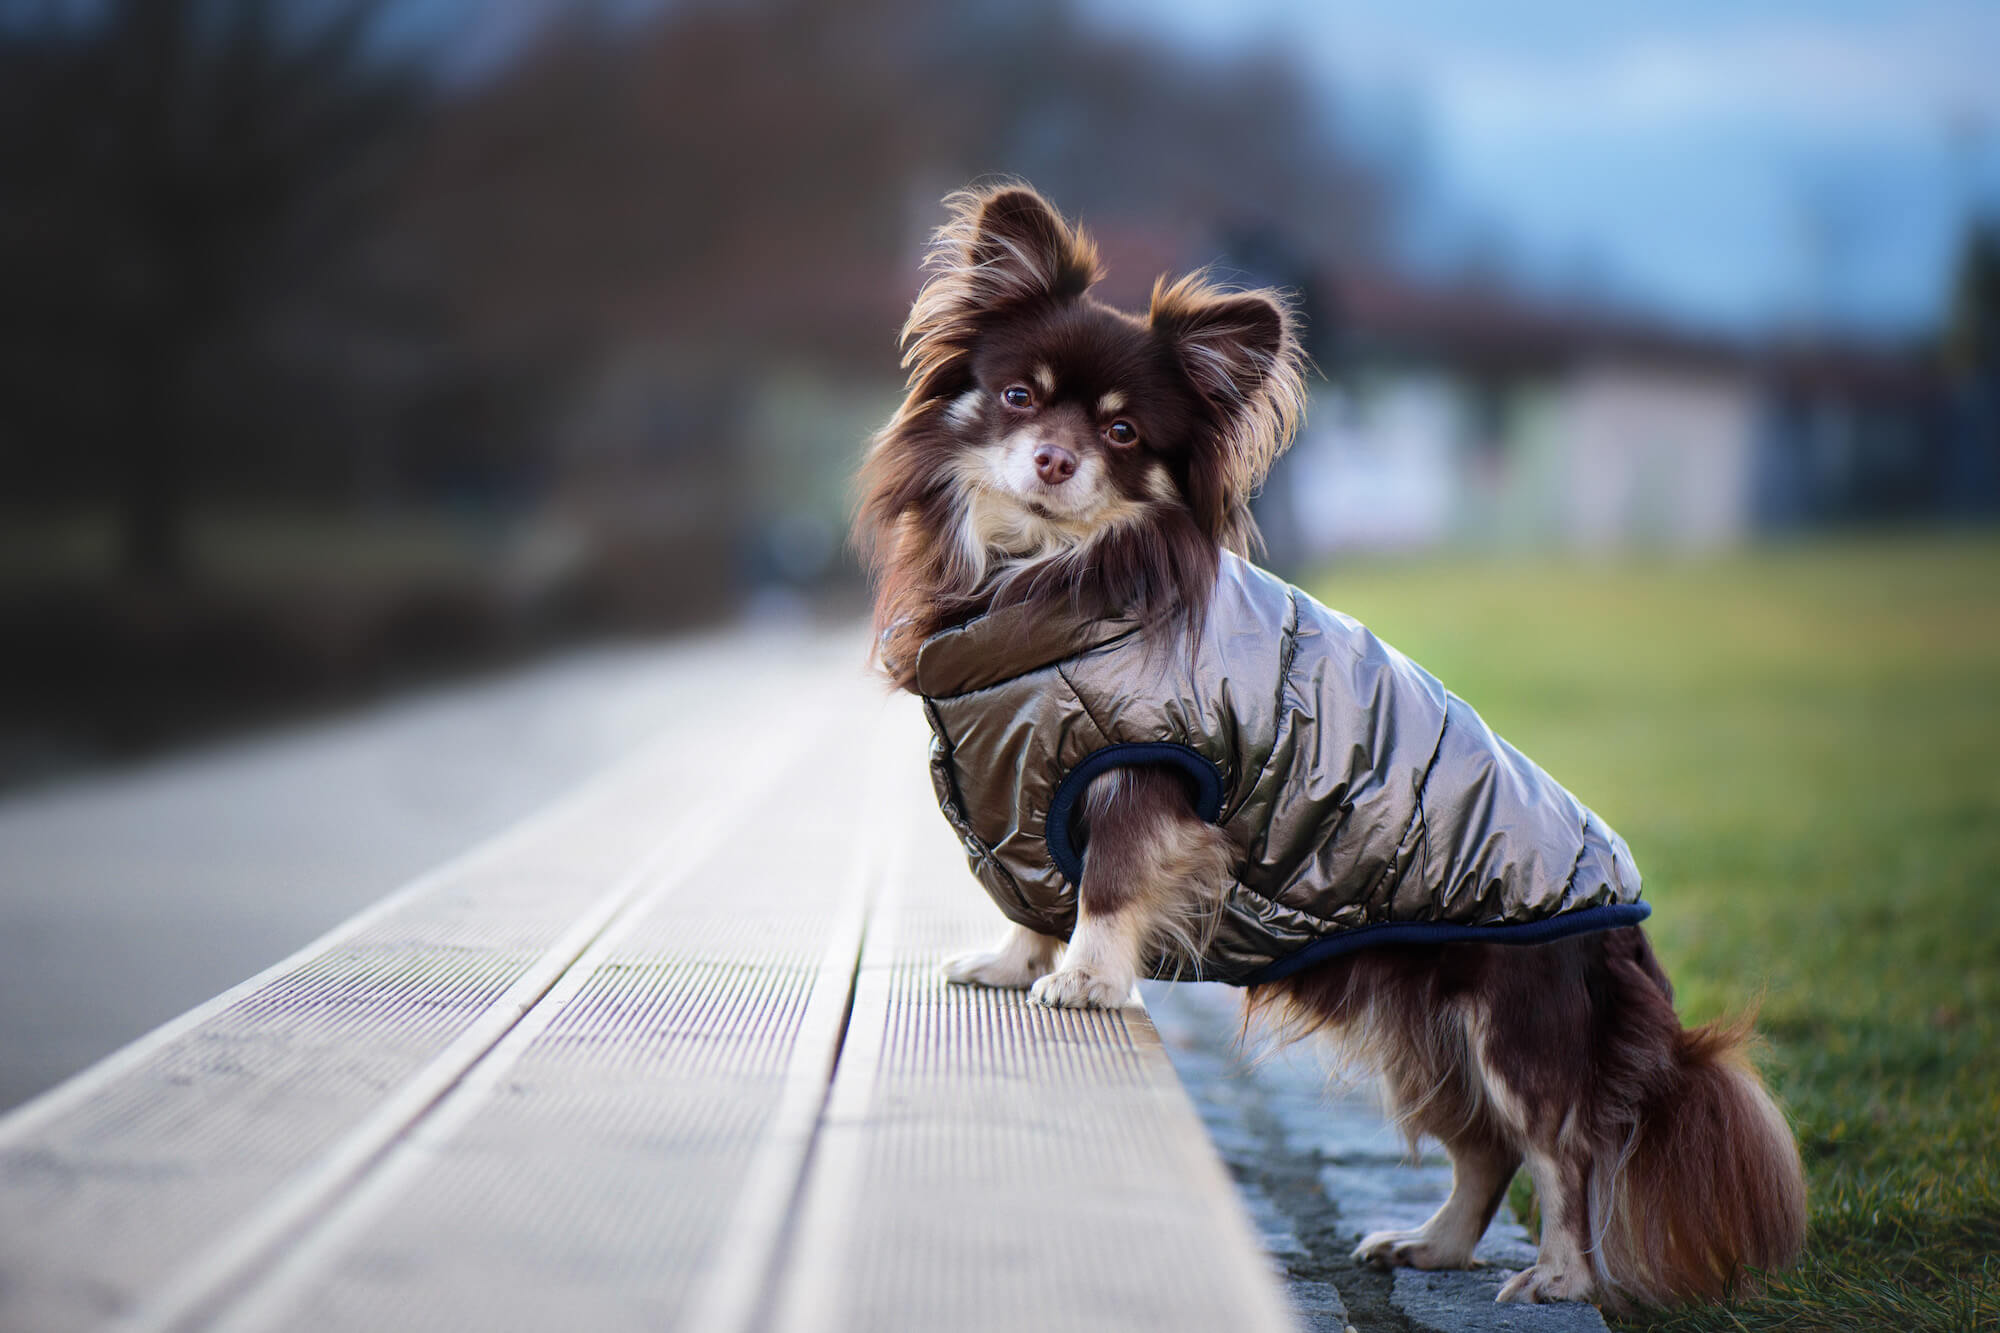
(1318, 1166)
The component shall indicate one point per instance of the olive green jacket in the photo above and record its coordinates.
(1368, 803)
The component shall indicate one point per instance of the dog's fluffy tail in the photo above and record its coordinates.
(1712, 1184)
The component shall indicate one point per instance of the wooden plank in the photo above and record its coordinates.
(989, 1164)
(146, 1189)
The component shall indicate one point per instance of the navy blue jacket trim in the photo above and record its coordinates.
(1579, 922)
(1208, 790)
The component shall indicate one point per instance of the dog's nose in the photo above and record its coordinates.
(1054, 464)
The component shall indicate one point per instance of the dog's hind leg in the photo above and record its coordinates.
(1482, 1167)
(1428, 1086)
(1536, 1085)
(1562, 1270)
(1152, 872)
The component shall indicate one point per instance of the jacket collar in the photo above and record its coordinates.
(1006, 643)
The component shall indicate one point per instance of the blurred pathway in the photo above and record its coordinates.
(129, 897)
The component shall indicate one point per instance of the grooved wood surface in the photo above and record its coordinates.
(672, 1054)
(990, 1164)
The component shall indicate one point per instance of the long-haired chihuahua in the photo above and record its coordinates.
(1067, 471)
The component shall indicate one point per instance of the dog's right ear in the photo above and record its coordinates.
(1003, 247)
(1011, 246)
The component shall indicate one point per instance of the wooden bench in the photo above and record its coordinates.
(673, 1053)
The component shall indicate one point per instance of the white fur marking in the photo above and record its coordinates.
(1010, 519)
(964, 409)
(1098, 966)
(1021, 959)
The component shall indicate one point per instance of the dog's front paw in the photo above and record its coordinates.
(1081, 988)
(1408, 1249)
(1001, 969)
(1539, 1286)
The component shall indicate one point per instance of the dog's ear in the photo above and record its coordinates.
(1240, 351)
(1232, 345)
(1020, 249)
(1004, 246)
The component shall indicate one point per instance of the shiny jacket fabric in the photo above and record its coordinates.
(1369, 804)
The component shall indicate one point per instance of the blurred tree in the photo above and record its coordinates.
(1124, 126)
(1972, 356)
(749, 180)
(187, 186)
(1972, 339)
(285, 251)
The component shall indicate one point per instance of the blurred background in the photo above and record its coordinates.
(349, 343)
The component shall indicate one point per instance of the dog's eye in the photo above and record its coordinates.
(1121, 432)
(1017, 395)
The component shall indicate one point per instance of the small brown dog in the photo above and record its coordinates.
(1065, 473)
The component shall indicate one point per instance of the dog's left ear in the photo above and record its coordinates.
(1231, 344)
(1241, 351)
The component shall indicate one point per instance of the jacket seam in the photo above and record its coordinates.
(1582, 846)
(1392, 877)
(1289, 655)
(950, 754)
(960, 690)
(1320, 924)
(976, 848)
(1084, 704)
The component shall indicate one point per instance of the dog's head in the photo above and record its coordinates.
(1049, 440)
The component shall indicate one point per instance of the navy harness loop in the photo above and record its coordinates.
(1582, 921)
(1208, 788)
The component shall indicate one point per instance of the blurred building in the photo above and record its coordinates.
(1471, 415)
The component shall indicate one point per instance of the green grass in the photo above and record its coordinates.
(1802, 746)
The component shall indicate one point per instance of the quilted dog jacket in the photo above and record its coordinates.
(1368, 803)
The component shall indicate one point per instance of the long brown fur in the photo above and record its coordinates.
(1664, 1171)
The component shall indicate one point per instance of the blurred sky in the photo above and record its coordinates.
(1749, 165)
